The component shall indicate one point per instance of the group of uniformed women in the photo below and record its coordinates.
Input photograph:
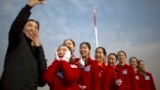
(101, 73)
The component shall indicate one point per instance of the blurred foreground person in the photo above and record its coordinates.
(24, 60)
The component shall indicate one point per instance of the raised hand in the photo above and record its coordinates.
(118, 82)
(35, 2)
(35, 38)
(56, 57)
(81, 63)
(67, 56)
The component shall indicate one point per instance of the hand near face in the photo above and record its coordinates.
(31, 31)
(56, 57)
(67, 56)
(35, 38)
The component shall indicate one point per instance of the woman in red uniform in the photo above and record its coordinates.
(61, 75)
(133, 62)
(104, 72)
(146, 81)
(89, 68)
(126, 72)
(112, 60)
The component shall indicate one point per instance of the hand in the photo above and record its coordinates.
(35, 38)
(56, 57)
(82, 87)
(34, 2)
(67, 56)
(81, 63)
(118, 82)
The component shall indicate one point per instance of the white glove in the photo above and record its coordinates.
(118, 82)
(67, 56)
(56, 57)
(81, 63)
(82, 87)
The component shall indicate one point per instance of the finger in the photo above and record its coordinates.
(41, 1)
(35, 33)
(31, 35)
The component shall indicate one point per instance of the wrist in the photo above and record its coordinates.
(35, 44)
(28, 7)
(31, 4)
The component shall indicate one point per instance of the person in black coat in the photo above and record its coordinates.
(25, 60)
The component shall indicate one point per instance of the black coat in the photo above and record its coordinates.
(23, 64)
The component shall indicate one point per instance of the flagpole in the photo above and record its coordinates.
(95, 26)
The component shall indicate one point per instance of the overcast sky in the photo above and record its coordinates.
(129, 25)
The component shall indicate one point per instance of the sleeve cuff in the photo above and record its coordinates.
(27, 7)
(38, 48)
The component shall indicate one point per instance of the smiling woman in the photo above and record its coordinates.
(25, 60)
(59, 75)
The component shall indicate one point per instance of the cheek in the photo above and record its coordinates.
(26, 33)
(110, 61)
(131, 63)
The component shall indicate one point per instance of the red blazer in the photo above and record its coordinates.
(105, 77)
(145, 82)
(136, 76)
(90, 75)
(61, 75)
(114, 76)
(127, 75)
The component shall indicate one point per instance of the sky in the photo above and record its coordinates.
(129, 25)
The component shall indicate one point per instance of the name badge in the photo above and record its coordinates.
(87, 68)
(100, 73)
(73, 66)
(137, 77)
(147, 78)
(124, 71)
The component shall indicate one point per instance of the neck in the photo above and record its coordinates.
(135, 70)
(85, 57)
(122, 63)
(100, 62)
(142, 71)
(112, 65)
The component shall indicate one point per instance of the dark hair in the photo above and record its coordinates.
(71, 41)
(113, 55)
(103, 49)
(140, 61)
(133, 58)
(34, 21)
(86, 43)
(122, 52)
